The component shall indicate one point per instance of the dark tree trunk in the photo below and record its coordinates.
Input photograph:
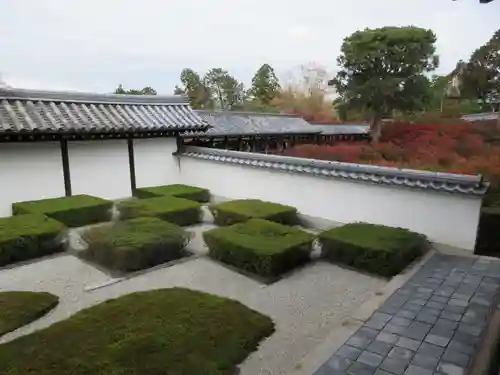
(376, 129)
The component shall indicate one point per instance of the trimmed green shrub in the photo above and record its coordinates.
(260, 246)
(166, 331)
(237, 211)
(374, 248)
(74, 211)
(20, 308)
(180, 191)
(28, 236)
(135, 244)
(175, 210)
(488, 235)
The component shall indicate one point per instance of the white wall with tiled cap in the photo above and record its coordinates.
(29, 171)
(100, 168)
(154, 163)
(445, 218)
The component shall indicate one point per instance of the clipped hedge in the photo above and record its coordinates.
(135, 244)
(180, 191)
(157, 332)
(28, 236)
(20, 308)
(488, 235)
(175, 210)
(260, 246)
(74, 211)
(374, 248)
(237, 211)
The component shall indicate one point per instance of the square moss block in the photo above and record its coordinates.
(180, 191)
(260, 246)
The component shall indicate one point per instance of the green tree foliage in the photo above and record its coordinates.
(383, 70)
(195, 89)
(144, 91)
(265, 85)
(227, 92)
(482, 75)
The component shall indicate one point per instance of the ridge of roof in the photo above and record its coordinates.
(435, 181)
(249, 113)
(10, 93)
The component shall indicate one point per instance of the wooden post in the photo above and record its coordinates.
(66, 169)
(131, 164)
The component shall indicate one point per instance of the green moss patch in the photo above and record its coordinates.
(74, 211)
(374, 248)
(180, 191)
(166, 331)
(260, 246)
(135, 244)
(28, 236)
(237, 211)
(175, 210)
(20, 308)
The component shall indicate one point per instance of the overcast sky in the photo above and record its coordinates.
(93, 45)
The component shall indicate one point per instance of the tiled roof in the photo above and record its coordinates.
(236, 123)
(480, 116)
(441, 182)
(29, 111)
(342, 129)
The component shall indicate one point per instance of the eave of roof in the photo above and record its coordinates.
(32, 112)
(408, 178)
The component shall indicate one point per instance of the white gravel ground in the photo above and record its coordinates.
(305, 306)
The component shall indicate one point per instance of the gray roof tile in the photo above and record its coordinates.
(342, 129)
(27, 111)
(236, 123)
(442, 182)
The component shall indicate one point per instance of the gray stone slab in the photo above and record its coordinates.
(439, 299)
(395, 366)
(400, 321)
(350, 352)
(461, 347)
(393, 328)
(401, 353)
(387, 337)
(470, 329)
(370, 359)
(424, 361)
(338, 363)
(417, 330)
(382, 372)
(407, 343)
(437, 340)
(360, 369)
(430, 350)
(379, 347)
(416, 370)
(451, 316)
(456, 357)
(446, 368)
(378, 320)
(407, 314)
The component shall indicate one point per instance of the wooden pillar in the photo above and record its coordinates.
(66, 169)
(131, 163)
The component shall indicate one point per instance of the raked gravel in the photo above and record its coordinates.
(306, 306)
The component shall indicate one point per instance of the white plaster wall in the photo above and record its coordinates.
(100, 168)
(29, 171)
(444, 218)
(154, 163)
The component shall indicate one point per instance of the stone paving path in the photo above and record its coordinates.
(429, 326)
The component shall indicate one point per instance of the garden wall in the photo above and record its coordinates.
(448, 218)
(29, 171)
(100, 168)
(154, 163)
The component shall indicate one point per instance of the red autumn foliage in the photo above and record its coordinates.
(458, 148)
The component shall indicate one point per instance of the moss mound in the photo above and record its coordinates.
(167, 331)
(20, 308)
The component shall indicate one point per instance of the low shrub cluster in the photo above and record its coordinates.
(135, 244)
(165, 331)
(180, 191)
(260, 246)
(237, 211)
(74, 211)
(175, 210)
(374, 248)
(28, 236)
(21, 308)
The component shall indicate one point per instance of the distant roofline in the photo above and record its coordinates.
(222, 112)
(10, 93)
